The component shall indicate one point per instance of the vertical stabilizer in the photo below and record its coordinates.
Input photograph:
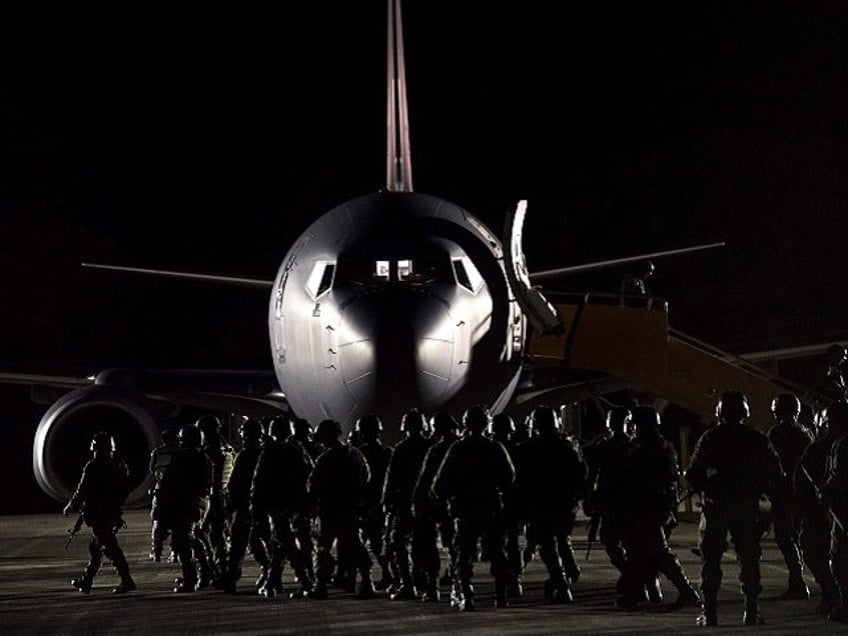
(398, 157)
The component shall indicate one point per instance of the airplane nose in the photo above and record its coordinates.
(403, 338)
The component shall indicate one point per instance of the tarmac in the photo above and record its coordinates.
(36, 597)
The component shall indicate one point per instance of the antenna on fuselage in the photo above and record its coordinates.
(398, 157)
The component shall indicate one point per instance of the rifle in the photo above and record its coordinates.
(73, 531)
(592, 533)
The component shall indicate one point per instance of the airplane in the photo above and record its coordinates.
(390, 300)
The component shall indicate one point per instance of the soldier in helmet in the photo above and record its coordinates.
(401, 475)
(472, 478)
(238, 502)
(212, 530)
(732, 466)
(789, 440)
(502, 429)
(604, 493)
(837, 366)
(278, 497)
(160, 457)
(302, 432)
(182, 497)
(431, 516)
(551, 476)
(100, 494)
(813, 515)
(338, 484)
(651, 478)
(370, 431)
(834, 495)
(634, 282)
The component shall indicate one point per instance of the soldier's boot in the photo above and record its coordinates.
(126, 584)
(709, 612)
(655, 593)
(501, 596)
(430, 593)
(319, 592)
(569, 564)
(273, 584)
(406, 590)
(751, 616)
(83, 583)
(263, 576)
(797, 587)
(366, 587)
(687, 595)
(386, 578)
(156, 551)
(515, 587)
(467, 598)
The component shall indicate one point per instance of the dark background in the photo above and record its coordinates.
(207, 139)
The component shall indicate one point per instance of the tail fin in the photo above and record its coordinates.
(398, 156)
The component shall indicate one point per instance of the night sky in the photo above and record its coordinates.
(206, 139)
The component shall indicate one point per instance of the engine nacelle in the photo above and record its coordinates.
(62, 440)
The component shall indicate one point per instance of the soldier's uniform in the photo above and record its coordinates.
(338, 486)
(278, 498)
(550, 477)
(503, 430)
(238, 505)
(651, 481)
(431, 515)
(789, 440)
(472, 478)
(401, 475)
(182, 500)
(160, 457)
(732, 465)
(813, 516)
(373, 522)
(100, 494)
(834, 494)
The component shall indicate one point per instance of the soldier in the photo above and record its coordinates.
(182, 497)
(502, 430)
(634, 282)
(837, 366)
(834, 494)
(472, 478)
(302, 432)
(238, 504)
(814, 517)
(338, 484)
(550, 475)
(732, 465)
(651, 487)
(370, 430)
(100, 494)
(789, 440)
(604, 501)
(212, 531)
(277, 497)
(401, 475)
(160, 457)
(431, 516)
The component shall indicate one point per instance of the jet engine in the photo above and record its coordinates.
(63, 437)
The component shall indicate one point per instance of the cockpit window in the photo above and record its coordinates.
(466, 274)
(382, 270)
(404, 269)
(321, 278)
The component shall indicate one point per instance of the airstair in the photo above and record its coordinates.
(629, 338)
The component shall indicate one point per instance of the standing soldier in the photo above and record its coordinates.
(238, 503)
(814, 517)
(212, 531)
(652, 477)
(550, 475)
(160, 457)
(100, 494)
(431, 516)
(472, 478)
(732, 465)
(182, 500)
(604, 502)
(401, 475)
(277, 496)
(835, 496)
(502, 430)
(789, 440)
(370, 430)
(338, 486)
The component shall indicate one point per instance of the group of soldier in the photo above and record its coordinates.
(325, 505)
